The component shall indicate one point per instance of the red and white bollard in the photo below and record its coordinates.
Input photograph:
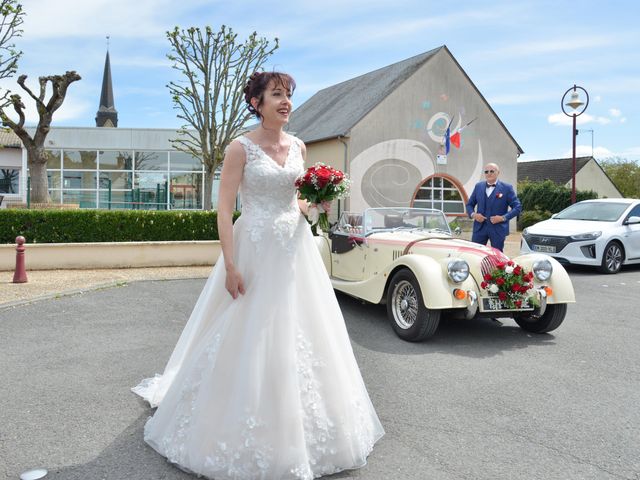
(20, 275)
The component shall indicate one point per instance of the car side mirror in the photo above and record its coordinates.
(457, 231)
(554, 215)
(632, 220)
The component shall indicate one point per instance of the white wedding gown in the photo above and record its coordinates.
(265, 386)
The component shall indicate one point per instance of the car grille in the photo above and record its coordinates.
(548, 240)
(490, 262)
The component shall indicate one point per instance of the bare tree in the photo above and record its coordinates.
(11, 19)
(36, 153)
(210, 99)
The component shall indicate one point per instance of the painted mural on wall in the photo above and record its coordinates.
(388, 173)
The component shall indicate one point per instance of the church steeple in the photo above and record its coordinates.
(107, 114)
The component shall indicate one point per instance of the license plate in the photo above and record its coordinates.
(493, 304)
(545, 248)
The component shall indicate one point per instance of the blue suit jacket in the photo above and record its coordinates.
(498, 203)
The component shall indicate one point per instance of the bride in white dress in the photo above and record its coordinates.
(263, 383)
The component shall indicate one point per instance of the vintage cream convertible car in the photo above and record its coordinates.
(409, 259)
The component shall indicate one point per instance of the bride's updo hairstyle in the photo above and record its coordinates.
(258, 83)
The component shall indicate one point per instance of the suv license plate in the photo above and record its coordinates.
(545, 248)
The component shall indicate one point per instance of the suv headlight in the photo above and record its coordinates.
(458, 270)
(542, 269)
(586, 236)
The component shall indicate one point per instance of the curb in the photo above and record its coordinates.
(80, 291)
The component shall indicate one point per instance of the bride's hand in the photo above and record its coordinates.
(234, 283)
(304, 206)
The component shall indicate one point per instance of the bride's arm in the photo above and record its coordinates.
(303, 204)
(230, 179)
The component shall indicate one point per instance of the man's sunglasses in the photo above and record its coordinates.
(489, 171)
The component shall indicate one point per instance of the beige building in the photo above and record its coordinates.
(388, 130)
(589, 174)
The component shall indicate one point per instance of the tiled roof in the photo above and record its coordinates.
(9, 139)
(558, 170)
(333, 111)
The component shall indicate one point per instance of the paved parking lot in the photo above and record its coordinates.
(481, 400)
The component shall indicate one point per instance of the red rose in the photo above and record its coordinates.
(500, 266)
(487, 276)
(483, 285)
(500, 281)
(518, 303)
(515, 287)
(338, 176)
(517, 270)
(323, 175)
(502, 295)
(510, 263)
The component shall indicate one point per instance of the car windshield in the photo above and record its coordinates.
(593, 211)
(388, 219)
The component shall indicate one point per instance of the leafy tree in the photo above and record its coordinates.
(36, 154)
(209, 99)
(624, 173)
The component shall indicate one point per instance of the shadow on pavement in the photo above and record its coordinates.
(368, 327)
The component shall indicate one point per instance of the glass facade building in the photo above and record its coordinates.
(115, 168)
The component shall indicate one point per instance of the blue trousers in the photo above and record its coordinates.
(496, 238)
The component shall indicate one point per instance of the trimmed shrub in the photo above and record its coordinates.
(529, 217)
(76, 226)
(548, 197)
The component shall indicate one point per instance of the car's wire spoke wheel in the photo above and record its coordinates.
(405, 304)
(407, 313)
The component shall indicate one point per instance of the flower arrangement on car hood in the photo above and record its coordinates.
(511, 284)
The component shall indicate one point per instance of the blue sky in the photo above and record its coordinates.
(522, 56)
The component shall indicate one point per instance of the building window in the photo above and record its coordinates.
(79, 160)
(152, 161)
(9, 180)
(441, 192)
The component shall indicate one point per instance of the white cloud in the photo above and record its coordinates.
(597, 98)
(585, 151)
(560, 119)
(623, 120)
(614, 112)
(118, 18)
(553, 46)
(72, 110)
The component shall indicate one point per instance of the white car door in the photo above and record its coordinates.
(631, 235)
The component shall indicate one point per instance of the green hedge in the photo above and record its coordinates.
(548, 196)
(540, 200)
(74, 226)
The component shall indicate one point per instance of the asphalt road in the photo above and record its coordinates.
(481, 400)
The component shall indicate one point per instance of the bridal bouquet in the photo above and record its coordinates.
(510, 283)
(319, 185)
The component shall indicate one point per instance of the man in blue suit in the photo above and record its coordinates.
(493, 199)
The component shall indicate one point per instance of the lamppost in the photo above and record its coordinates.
(575, 103)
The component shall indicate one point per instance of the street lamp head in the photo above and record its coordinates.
(574, 102)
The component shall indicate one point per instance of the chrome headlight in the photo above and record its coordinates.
(542, 269)
(458, 270)
(586, 236)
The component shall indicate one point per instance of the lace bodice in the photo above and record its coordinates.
(268, 192)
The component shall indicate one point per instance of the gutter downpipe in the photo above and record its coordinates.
(344, 162)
